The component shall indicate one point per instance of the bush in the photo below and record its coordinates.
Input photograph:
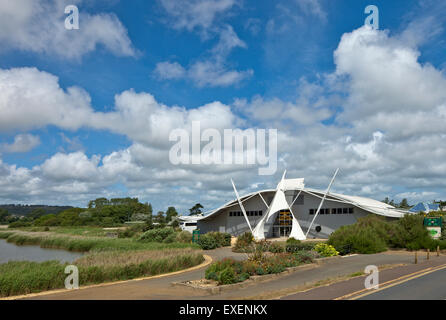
(212, 240)
(306, 256)
(227, 276)
(243, 242)
(292, 241)
(352, 238)
(207, 242)
(230, 271)
(296, 245)
(127, 233)
(170, 238)
(156, 235)
(326, 250)
(276, 248)
(411, 234)
(184, 237)
(373, 234)
(223, 239)
(20, 224)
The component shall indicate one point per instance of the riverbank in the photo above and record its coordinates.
(106, 260)
(85, 244)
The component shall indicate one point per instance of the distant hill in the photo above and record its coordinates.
(23, 210)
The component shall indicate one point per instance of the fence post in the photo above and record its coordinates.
(438, 251)
(428, 251)
(416, 257)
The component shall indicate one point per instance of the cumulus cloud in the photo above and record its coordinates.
(39, 26)
(387, 137)
(22, 143)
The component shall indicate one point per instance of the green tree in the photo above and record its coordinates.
(36, 214)
(160, 218)
(4, 214)
(404, 203)
(196, 210)
(386, 200)
(171, 213)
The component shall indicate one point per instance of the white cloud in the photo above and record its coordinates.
(212, 71)
(22, 143)
(70, 166)
(388, 138)
(312, 7)
(167, 70)
(32, 99)
(39, 26)
(194, 14)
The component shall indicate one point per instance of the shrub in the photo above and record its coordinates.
(243, 242)
(305, 256)
(296, 245)
(223, 239)
(20, 224)
(228, 239)
(127, 233)
(207, 242)
(170, 238)
(326, 250)
(292, 241)
(352, 238)
(184, 237)
(230, 271)
(373, 234)
(156, 235)
(411, 234)
(276, 248)
(227, 276)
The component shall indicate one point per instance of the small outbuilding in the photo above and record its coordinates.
(425, 207)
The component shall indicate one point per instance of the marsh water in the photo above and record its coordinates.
(12, 252)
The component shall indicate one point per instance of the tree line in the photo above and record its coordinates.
(99, 212)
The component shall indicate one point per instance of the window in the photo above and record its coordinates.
(327, 211)
(311, 211)
(191, 224)
(260, 212)
(344, 210)
(339, 210)
(333, 211)
(350, 210)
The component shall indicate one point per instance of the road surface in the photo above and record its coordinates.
(431, 286)
(423, 281)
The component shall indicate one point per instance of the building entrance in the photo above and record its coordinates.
(283, 224)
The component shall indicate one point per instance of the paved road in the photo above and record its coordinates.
(411, 281)
(161, 288)
(431, 286)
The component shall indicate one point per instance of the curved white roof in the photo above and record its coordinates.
(367, 204)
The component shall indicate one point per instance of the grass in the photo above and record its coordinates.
(85, 244)
(86, 231)
(108, 259)
(29, 277)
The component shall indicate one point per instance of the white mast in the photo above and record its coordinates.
(241, 206)
(322, 202)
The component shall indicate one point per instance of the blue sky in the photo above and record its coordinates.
(304, 58)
